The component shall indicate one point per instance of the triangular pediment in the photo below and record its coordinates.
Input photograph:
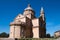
(20, 16)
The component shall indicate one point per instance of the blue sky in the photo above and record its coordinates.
(9, 9)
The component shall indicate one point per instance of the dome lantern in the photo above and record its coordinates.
(28, 8)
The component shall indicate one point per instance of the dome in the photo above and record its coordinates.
(28, 8)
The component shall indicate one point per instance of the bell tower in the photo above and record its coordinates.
(42, 23)
(29, 12)
(42, 14)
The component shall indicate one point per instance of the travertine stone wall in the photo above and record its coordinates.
(15, 31)
(35, 28)
(11, 31)
(29, 14)
(36, 32)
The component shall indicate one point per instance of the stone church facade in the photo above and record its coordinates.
(26, 25)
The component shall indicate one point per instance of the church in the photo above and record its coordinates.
(26, 25)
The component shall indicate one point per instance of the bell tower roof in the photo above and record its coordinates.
(42, 10)
(42, 13)
(28, 8)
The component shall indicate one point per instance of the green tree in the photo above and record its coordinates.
(48, 35)
(3, 34)
(52, 36)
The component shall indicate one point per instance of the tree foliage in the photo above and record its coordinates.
(3, 34)
(48, 35)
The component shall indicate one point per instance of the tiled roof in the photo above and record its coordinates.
(57, 31)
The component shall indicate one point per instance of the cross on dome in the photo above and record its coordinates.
(28, 8)
(29, 5)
